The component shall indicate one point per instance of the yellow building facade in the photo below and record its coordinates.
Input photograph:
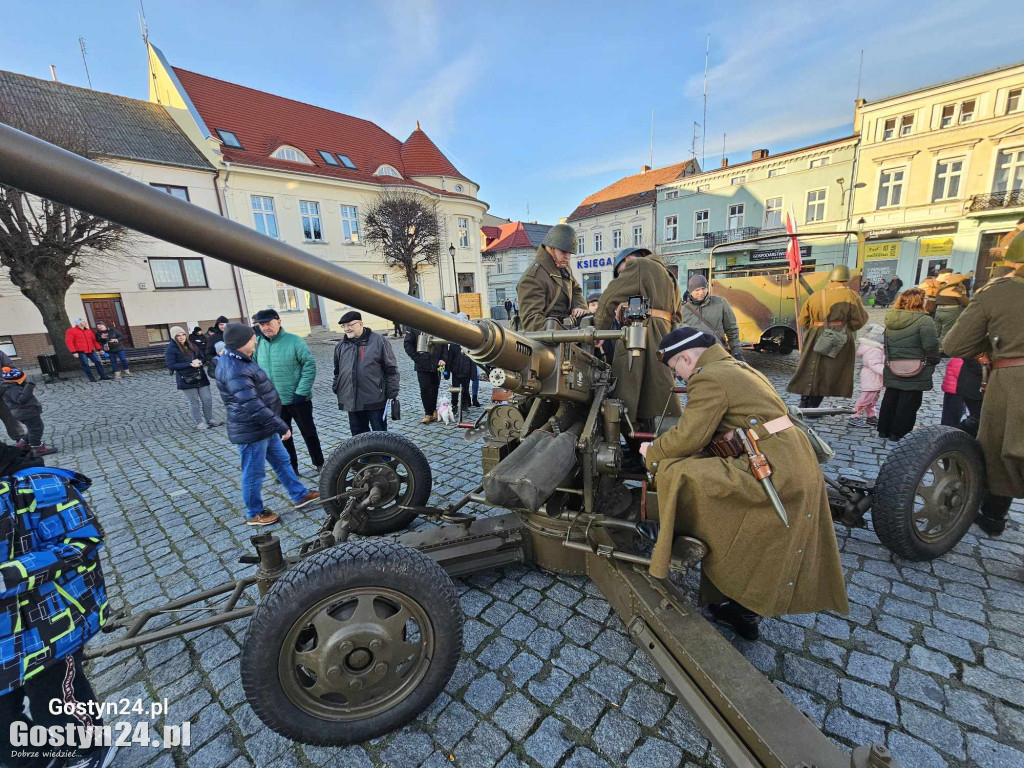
(940, 174)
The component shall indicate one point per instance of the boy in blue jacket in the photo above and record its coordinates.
(255, 424)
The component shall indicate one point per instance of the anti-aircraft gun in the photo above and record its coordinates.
(353, 638)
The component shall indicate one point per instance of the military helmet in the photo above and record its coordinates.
(1015, 251)
(622, 255)
(840, 274)
(562, 237)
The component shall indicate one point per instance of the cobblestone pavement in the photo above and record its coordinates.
(930, 659)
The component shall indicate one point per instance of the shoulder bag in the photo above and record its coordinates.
(903, 369)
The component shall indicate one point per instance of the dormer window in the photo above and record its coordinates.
(387, 170)
(328, 157)
(229, 139)
(291, 154)
(347, 163)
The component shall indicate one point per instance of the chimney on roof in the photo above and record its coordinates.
(759, 154)
(725, 162)
(644, 168)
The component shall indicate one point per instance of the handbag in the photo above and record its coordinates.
(903, 369)
(831, 340)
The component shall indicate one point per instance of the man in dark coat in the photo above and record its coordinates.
(992, 325)
(429, 380)
(837, 307)
(365, 375)
(755, 565)
(548, 287)
(255, 424)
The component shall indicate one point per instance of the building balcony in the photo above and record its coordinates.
(489, 259)
(730, 235)
(996, 200)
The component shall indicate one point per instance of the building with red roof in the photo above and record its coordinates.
(508, 255)
(307, 175)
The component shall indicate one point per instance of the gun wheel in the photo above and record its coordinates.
(352, 643)
(928, 492)
(392, 463)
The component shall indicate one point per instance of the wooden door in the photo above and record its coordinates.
(313, 310)
(110, 311)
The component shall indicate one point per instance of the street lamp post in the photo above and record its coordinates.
(455, 276)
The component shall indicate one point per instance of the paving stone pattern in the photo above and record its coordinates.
(930, 658)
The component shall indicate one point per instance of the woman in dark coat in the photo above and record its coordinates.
(909, 336)
(186, 360)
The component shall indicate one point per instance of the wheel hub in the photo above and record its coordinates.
(382, 477)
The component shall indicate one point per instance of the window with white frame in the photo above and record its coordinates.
(773, 172)
(1014, 100)
(1009, 171)
(736, 214)
(948, 173)
(906, 125)
(700, 222)
(815, 205)
(7, 346)
(463, 226)
(616, 239)
(499, 265)
(598, 242)
(174, 191)
(672, 194)
(387, 170)
(890, 187)
(967, 111)
(671, 228)
(897, 126)
(581, 244)
(638, 235)
(263, 215)
(229, 138)
(350, 223)
(957, 114)
(773, 213)
(458, 188)
(381, 278)
(737, 180)
(499, 295)
(312, 229)
(703, 187)
(818, 162)
(291, 154)
(178, 273)
(288, 298)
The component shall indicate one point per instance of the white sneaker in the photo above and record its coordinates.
(201, 426)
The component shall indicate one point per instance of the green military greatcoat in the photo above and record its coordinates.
(817, 375)
(646, 386)
(546, 291)
(993, 323)
(752, 557)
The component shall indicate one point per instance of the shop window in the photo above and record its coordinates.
(467, 282)
(591, 283)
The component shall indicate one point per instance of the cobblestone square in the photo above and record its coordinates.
(929, 660)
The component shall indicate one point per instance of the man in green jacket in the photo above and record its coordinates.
(290, 366)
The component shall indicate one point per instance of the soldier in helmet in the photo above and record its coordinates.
(755, 564)
(826, 370)
(992, 325)
(645, 386)
(547, 287)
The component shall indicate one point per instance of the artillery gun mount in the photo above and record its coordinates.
(353, 638)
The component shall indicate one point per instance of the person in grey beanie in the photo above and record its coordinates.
(711, 314)
(183, 357)
(255, 425)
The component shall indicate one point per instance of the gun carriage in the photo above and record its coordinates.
(352, 638)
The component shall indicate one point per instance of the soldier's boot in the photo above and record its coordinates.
(994, 511)
(743, 620)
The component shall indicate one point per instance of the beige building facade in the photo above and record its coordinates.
(940, 173)
(307, 176)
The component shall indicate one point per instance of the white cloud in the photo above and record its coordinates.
(436, 102)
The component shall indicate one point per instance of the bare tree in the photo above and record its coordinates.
(404, 227)
(45, 245)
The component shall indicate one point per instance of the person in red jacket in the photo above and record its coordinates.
(81, 342)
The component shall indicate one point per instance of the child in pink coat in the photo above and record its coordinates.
(870, 350)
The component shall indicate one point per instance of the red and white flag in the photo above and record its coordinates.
(793, 249)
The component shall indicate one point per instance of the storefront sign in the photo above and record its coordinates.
(890, 250)
(936, 246)
(779, 254)
(919, 230)
(594, 263)
(878, 272)
(470, 304)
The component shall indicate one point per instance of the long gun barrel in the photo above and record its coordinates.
(42, 169)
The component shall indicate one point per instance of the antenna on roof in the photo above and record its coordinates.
(860, 71)
(81, 44)
(723, 147)
(143, 26)
(652, 137)
(693, 146)
(704, 125)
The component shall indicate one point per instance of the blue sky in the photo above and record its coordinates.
(542, 103)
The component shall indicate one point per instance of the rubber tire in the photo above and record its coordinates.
(379, 442)
(896, 487)
(366, 562)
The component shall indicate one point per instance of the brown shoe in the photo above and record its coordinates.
(427, 419)
(263, 518)
(308, 499)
